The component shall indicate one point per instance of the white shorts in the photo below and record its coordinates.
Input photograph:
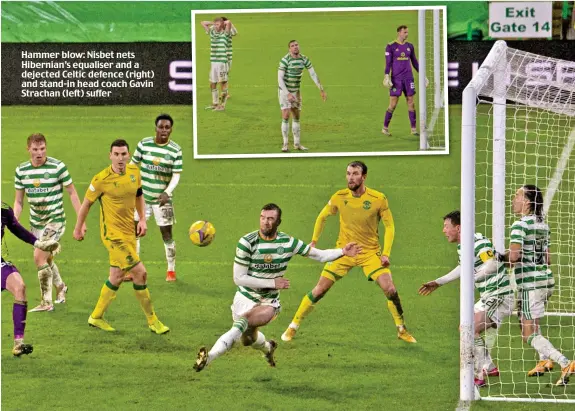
(164, 215)
(285, 103)
(496, 308)
(531, 303)
(219, 72)
(51, 231)
(243, 304)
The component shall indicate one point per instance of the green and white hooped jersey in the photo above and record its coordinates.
(532, 271)
(219, 45)
(496, 284)
(267, 259)
(158, 164)
(44, 187)
(293, 68)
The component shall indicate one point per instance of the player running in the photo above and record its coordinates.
(399, 57)
(289, 80)
(160, 161)
(261, 261)
(43, 180)
(219, 32)
(360, 209)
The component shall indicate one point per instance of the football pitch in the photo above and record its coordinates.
(346, 355)
(347, 51)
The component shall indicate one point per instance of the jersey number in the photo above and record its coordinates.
(412, 85)
(168, 213)
(540, 254)
(48, 233)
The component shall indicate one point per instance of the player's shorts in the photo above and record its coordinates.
(219, 72)
(7, 270)
(497, 308)
(243, 304)
(51, 231)
(406, 86)
(163, 215)
(286, 104)
(531, 303)
(370, 264)
(122, 253)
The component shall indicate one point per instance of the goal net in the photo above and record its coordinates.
(519, 128)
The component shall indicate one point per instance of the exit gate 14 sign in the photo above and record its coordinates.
(520, 19)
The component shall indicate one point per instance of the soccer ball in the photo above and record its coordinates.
(202, 233)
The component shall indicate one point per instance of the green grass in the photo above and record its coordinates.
(347, 51)
(346, 355)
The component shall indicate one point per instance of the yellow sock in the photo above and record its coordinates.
(307, 304)
(107, 295)
(394, 307)
(143, 296)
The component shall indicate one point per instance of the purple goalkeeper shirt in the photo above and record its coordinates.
(399, 58)
(9, 220)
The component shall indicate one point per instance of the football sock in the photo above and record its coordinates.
(490, 337)
(214, 96)
(388, 115)
(226, 341)
(224, 96)
(56, 279)
(19, 310)
(482, 357)
(285, 131)
(45, 276)
(544, 347)
(295, 130)
(107, 295)
(171, 254)
(394, 307)
(261, 343)
(305, 307)
(411, 118)
(143, 296)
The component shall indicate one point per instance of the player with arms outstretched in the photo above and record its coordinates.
(118, 188)
(160, 161)
(360, 211)
(12, 280)
(530, 256)
(290, 72)
(261, 261)
(43, 180)
(219, 32)
(496, 294)
(399, 58)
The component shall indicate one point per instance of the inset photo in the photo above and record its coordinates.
(319, 82)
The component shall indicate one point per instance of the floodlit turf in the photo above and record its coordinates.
(346, 355)
(347, 51)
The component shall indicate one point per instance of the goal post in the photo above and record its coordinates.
(518, 127)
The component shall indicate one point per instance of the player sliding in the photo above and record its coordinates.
(219, 32)
(289, 79)
(496, 295)
(399, 57)
(360, 209)
(530, 257)
(12, 280)
(261, 261)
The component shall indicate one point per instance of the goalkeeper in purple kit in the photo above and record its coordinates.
(399, 57)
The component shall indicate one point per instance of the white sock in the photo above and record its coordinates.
(294, 326)
(544, 347)
(226, 341)
(45, 276)
(482, 357)
(224, 95)
(171, 255)
(215, 96)
(261, 344)
(285, 131)
(56, 278)
(295, 131)
(490, 337)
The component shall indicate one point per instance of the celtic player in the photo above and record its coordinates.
(219, 32)
(43, 180)
(360, 209)
(496, 295)
(530, 257)
(160, 161)
(261, 261)
(289, 80)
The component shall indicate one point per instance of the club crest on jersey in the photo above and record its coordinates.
(402, 54)
(133, 178)
(280, 250)
(46, 175)
(167, 157)
(156, 161)
(268, 258)
(36, 183)
(367, 205)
